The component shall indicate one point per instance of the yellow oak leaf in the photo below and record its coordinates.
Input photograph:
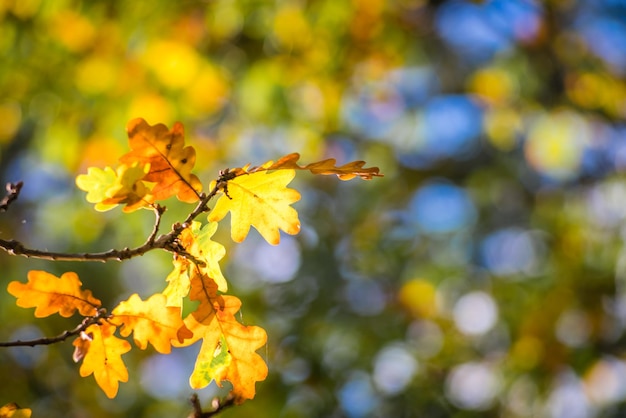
(177, 283)
(12, 410)
(49, 294)
(196, 239)
(228, 350)
(151, 321)
(107, 188)
(96, 183)
(170, 161)
(345, 172)
(262, 200)
(102, 356)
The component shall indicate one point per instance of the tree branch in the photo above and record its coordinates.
(216, 404)
(165, 242)
(90, 320)
(13, 191)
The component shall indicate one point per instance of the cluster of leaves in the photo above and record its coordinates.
(158, 167)
(12, 410)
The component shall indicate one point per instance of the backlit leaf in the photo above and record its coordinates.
(177, 283)
(228, 350)
(345, 172)
(49, 294)
(96, 183)
(107, 188)
(151, 321)
(103, 357)
(262, 200)
(197, 241)
(12, 410)
(170, 161)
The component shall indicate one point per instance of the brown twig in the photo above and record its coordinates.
(90, 320)
(13, 191)
(167, 242)
(216, 404)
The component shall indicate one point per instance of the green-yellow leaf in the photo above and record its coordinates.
(197, 241)
(96, 183)
(177, 283)
(107, 188)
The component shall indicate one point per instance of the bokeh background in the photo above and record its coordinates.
(483, 276)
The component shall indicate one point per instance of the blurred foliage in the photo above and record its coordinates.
(485, 275)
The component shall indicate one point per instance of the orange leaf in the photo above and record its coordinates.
(151, 322)
(228, 349)
(49, 294)
(345, 172)
(261, 200)
(170, 161)
(103, 357)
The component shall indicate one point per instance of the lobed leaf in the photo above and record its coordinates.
(151, 321)
(102, 357)
(196, 239)
(345, 172)
(178, 283)
(262, 200)
(49, 294)
(107, 188)
(228, 350)
(170, 161)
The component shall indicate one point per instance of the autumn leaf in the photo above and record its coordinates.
(178, 283)
(151, 321)
(49, 294)
(228, 350)
(170, 161)
(345, 172)
(261, 200)
(107, 188)
(97, 183)
(103, 357)
(12, 410)
(197, 241)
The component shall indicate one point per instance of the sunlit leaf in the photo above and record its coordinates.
(151, 321)
(49, 294)
(262, 200)
(170, 161)
(197, 241)
(103, 357)
(178, 283)
(345, 172)
(12, 410)
(107, 188)
(228, 350)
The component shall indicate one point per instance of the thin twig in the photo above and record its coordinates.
(13, 191)
(158, 212)
(90, 320)
(217, 406)
(166, 242)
